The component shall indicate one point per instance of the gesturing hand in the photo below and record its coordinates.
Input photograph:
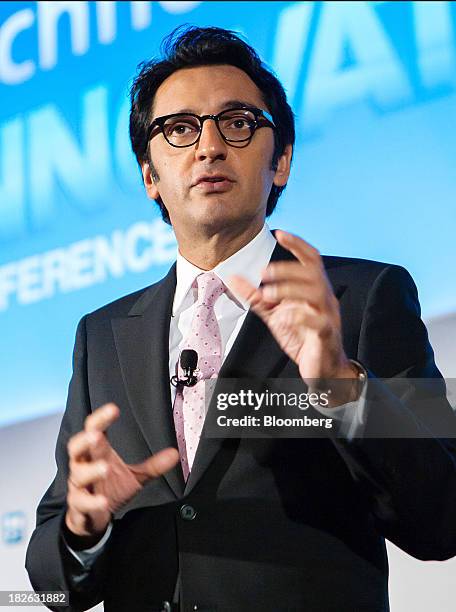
(99, 481)
(301, 311)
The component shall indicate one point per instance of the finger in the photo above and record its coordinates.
(102, 418)
(301, 249)
(84, 474)
(100, 448)
(289, 270)
(248, 292)
(156, 466)
(242, 286)
(79, 445)
(81, 501)
(276, 292)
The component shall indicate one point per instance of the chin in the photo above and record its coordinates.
(215, 211)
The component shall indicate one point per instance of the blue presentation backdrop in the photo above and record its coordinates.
(372, 85)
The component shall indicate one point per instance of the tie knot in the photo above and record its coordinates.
(210, 288)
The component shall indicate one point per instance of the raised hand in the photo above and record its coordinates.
(99, 481)
(300, 309)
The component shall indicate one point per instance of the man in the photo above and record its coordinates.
(149, 513)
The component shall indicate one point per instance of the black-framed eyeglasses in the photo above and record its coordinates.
(235, 125)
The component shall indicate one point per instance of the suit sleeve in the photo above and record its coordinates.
(49, 563)
(405, 462)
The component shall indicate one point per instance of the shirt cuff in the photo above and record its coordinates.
(351, 416)
(89, 555)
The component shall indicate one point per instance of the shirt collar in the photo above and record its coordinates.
(247, 262)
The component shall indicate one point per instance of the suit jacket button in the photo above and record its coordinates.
(187, 512)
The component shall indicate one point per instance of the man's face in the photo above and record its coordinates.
(194, 205)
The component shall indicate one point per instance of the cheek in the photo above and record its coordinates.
(261, 179)
(171, 168)
(172, 182)
(260, 174)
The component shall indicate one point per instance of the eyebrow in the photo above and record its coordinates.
(223, 106)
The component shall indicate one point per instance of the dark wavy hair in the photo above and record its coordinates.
(189, 46)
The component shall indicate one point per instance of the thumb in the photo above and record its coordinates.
(242, 286)
(252, 295)
(156, 466)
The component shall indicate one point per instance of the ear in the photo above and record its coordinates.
(149, 183)
(283, 167)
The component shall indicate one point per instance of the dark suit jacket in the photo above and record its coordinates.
(281, 524)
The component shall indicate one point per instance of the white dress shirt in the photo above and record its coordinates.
(230, 308)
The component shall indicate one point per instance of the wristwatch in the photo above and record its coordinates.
(362, 376)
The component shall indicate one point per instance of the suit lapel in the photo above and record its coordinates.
(142, 342)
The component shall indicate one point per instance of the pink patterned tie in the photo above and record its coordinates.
(204, 338)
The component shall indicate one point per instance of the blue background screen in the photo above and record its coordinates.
(373, 88)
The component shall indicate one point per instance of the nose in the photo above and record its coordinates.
(210, 144)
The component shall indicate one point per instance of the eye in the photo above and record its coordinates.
(237, 121)
(177, 127)
(180, 129)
